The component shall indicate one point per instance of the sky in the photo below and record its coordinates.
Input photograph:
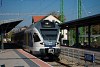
(29, 8)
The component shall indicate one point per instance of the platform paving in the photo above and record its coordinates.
(19, 58)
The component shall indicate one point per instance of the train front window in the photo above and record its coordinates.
(49, 34)
(49, 37)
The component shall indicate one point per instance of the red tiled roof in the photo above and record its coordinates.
(37, 18)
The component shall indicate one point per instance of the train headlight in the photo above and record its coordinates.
(42, 43)
(47, 23)
(57, 43)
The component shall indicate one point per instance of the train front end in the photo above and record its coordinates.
(50, 33)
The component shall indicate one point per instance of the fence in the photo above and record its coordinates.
(77, 56)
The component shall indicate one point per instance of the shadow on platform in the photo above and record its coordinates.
(10, 46)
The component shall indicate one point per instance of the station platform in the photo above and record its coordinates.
(20, 58)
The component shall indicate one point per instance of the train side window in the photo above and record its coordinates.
(36, 37)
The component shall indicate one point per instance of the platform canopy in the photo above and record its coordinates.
(86, 21)
(6, 26)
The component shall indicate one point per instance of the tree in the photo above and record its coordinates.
(96, 29)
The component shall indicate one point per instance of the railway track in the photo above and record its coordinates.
(56, 64)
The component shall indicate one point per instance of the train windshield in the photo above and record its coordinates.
(49, 34)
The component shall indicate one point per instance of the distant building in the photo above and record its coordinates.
(49, 17)
(37, 18)
(23, 28)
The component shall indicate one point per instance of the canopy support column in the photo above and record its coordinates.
(77, 36)
(89, 34)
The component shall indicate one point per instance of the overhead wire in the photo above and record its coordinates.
(44, 8)
(1, 3)
(48, 5)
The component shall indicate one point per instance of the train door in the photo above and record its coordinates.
(30, 40)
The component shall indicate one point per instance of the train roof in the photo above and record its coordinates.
(35, 24)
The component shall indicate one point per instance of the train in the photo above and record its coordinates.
(40, 39)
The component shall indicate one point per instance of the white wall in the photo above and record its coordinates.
(52, 18)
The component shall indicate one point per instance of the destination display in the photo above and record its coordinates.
(47, 24)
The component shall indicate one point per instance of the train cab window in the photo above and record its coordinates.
(36, 37)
